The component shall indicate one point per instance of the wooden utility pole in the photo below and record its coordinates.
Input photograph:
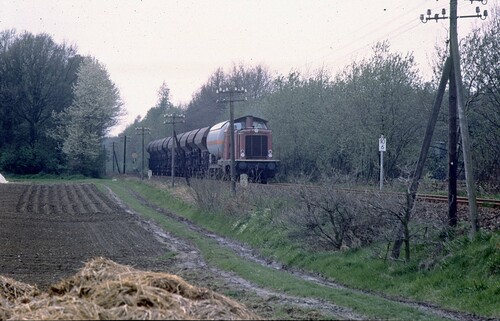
(115, 160)
(452, 150)
(464, 129)
(142, 131)
(456, 100)
(173, 119)
(124, 138)
(231, 99)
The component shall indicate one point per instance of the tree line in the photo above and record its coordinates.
(56, 107)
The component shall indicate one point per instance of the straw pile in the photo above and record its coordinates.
(103, 289)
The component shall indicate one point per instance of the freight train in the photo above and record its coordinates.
(206, 151)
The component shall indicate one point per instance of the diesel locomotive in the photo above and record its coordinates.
(206, 151)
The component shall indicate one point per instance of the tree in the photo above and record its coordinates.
(382, 95)
(83, 126)
(204, 110)
(154, 121)
(302, 113)
(481, 78)
(6, 114)
(36, 79)
(322, 123)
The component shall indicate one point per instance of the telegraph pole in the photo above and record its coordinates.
(464, 133)
(173, 119)
(452, 150)
(231, 93)
(142, 131)
(115, 160)
(124, 139)
(456, 100)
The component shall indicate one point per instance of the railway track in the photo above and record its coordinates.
(461, 200)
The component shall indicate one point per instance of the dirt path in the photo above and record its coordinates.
(48, 231)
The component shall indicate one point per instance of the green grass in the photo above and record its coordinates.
(43, 178)
(255, 233)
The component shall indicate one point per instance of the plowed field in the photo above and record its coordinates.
(47, 232)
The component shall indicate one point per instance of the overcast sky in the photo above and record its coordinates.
(144, 43)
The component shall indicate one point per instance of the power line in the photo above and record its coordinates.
(399, 30)
(381, 26)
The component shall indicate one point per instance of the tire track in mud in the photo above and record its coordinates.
(250, 254)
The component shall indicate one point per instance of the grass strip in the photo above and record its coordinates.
(225, 259)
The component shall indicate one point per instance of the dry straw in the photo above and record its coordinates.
(105, 290)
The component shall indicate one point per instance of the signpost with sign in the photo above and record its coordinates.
(382, 145)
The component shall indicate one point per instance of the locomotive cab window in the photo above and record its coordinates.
(259, 125)
(239, 126)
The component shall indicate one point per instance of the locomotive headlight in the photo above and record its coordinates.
(242, 153)
(270, 153)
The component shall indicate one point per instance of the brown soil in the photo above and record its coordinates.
(49, 231)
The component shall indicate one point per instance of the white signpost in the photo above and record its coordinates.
(382, 145)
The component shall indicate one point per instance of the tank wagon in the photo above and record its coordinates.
(205, 151)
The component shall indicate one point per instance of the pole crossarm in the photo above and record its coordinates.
(174, 118)
(231, 92)
(436, 16)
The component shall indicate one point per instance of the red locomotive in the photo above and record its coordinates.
(206, 151)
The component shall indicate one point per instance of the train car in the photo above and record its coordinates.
(206, 151)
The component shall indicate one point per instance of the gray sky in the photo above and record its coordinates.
(144, 43)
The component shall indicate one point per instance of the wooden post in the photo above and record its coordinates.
(464, 128)
(452, 151)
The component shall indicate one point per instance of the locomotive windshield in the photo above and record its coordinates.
(259, 125)
(256, 124)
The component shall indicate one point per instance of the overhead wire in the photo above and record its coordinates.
(399, 30)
